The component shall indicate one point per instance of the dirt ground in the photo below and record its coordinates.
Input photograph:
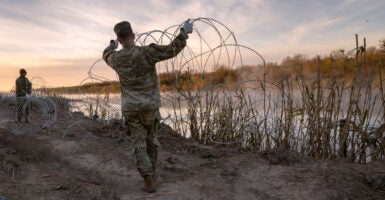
(58, 164)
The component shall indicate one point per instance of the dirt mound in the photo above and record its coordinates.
(285, 157)
(47, 165)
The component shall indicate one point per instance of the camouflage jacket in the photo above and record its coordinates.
(23, 86)
(135, 66)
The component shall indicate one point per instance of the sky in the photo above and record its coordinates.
(58, 41)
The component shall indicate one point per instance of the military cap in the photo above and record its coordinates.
(123, 28)
(22, 71)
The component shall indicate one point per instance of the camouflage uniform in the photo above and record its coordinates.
(23, 87)
(135, 66)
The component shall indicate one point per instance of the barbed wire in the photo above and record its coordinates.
(193, 108)
(211, 44)
(27, 115)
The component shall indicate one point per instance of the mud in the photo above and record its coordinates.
(47, 165)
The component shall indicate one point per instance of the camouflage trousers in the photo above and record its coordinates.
(22, 109)
(143, 127)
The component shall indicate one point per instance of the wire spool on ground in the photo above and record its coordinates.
(42, 114)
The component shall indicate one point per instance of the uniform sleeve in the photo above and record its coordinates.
(29, 86)
(19, 88)
(108, 51)
(156, 53)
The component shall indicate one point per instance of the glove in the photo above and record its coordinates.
(114, 43)
(187, 26)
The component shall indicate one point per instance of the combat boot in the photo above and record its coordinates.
(149, 184)
(156, 176)
(155, 173)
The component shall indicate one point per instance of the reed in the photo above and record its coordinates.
(323, 116)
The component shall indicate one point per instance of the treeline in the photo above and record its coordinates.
(97, 87)
(222, 76)
(339, 65)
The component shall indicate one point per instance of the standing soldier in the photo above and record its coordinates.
(23, 91)
(135, 66)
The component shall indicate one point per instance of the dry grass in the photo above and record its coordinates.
(320, 117)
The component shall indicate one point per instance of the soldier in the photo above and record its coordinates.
(23, 91)
(135, 66)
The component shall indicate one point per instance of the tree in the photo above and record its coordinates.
(382, 45)
(295, 64)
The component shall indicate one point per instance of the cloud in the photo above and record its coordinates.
(57, 72)
(36, 32)
(309, 32)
